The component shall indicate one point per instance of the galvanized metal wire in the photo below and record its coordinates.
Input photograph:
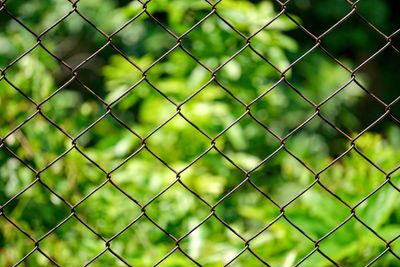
(246, 112)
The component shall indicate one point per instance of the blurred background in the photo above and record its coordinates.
(105, 73)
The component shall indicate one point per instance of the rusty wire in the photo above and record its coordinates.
(247, 111)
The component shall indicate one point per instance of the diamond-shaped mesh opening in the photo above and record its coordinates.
(114, 150)
(282, 177)
(120, 212)
(352, 178)
(281, 102)
(170, 75)
(247, 75)
(177, 222)
(122, 77)
(172, 135)
(72, 234)
(106, 72)
(212, 109)
(213, 37)
(323, 209)
(133, 40)
(247, 211)
(129, 104)
(28, 141)
(275, 248)
(240, 150)
(318, 153)
(73, 108)
(317, 76)
(340, 111)
(73, 176)
(37, 210)
(285, 51)
(210, 249)
(143, 176)
(357, 32)
(64, 40)
(149, 243)
(37, 74)
(212, 177)
(339, 246)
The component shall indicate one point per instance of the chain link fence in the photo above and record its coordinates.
(244, 107)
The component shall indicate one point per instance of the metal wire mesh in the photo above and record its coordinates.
(247, 112)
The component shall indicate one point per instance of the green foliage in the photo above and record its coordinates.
(144, 103)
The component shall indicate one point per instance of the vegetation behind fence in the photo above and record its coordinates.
(201, 132)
